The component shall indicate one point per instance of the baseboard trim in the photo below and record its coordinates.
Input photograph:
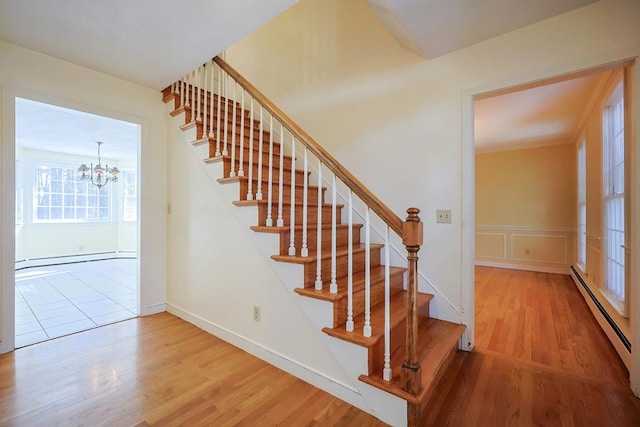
(306, 373)
(553, 270)
(153, 309)
(71, 259)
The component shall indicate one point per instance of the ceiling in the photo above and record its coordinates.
(543, 115)
(432, 28)
(48, 127)
(149, 42)
(154, 43)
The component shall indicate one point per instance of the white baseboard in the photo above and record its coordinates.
(306, 373)
(6, 347)
(67, 259)
(153, 309)
(553, 270)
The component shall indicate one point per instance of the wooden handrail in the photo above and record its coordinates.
(382, 210)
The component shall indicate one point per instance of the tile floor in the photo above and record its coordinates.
(62, 299)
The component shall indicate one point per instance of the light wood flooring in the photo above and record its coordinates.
(157, 370)
(539, 359)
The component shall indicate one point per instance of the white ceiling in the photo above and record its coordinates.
(48, 127)
(150, 42)
(154, 43)
(433, 28)
(543, 115)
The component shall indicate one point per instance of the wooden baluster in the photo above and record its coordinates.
(386, 371)
(412, 239)
(366, 331)
(319, 231)
(292, 211)
(219, 109)
(241, 163)
(349, 325)
(260, 141)
(250, 182)
(304, 251)
(280, 220)
(233, 132)
(333, 286)
(269, 221)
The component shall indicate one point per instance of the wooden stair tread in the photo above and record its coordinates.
(397, 314)
(287, 203)
(216, 159)
(437, 340)
(377, 275)
(236, 178)
(326, 254)
(275, 230)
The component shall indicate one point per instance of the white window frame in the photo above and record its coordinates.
(581, 253)
(20, 219)
(129, 209)
(90, 192)
(613, 200)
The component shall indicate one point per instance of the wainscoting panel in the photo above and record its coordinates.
(526, 248)
(494, 245)
(531, 247)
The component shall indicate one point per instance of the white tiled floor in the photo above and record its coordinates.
(58, 300)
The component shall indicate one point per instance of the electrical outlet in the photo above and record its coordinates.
(443, 216)
(256, 313)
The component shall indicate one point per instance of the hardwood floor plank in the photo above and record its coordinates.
(539, 359)
(156, 370)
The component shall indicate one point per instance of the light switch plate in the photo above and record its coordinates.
(443, 216)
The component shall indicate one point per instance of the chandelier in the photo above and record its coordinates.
(98, 175)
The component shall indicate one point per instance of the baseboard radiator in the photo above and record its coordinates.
(70, 259)
(613, 331)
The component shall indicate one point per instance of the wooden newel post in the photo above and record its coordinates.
(412, 239)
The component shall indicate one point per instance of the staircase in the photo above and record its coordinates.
(279, 170)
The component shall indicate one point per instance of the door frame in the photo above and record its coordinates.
(7, 202)
(468, 196)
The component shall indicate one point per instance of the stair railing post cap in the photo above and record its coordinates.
(412, 230)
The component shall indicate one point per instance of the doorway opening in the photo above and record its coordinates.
(75, 239)
(540, 231)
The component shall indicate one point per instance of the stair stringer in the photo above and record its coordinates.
(351, 358)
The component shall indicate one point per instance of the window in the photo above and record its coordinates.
(129, 180)
(59, 196)
(582, 206)
(613, 197)
(19, 195)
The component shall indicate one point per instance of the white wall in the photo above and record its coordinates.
(31, 75)
(525, 208)
(403, 124)
(217, 274)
